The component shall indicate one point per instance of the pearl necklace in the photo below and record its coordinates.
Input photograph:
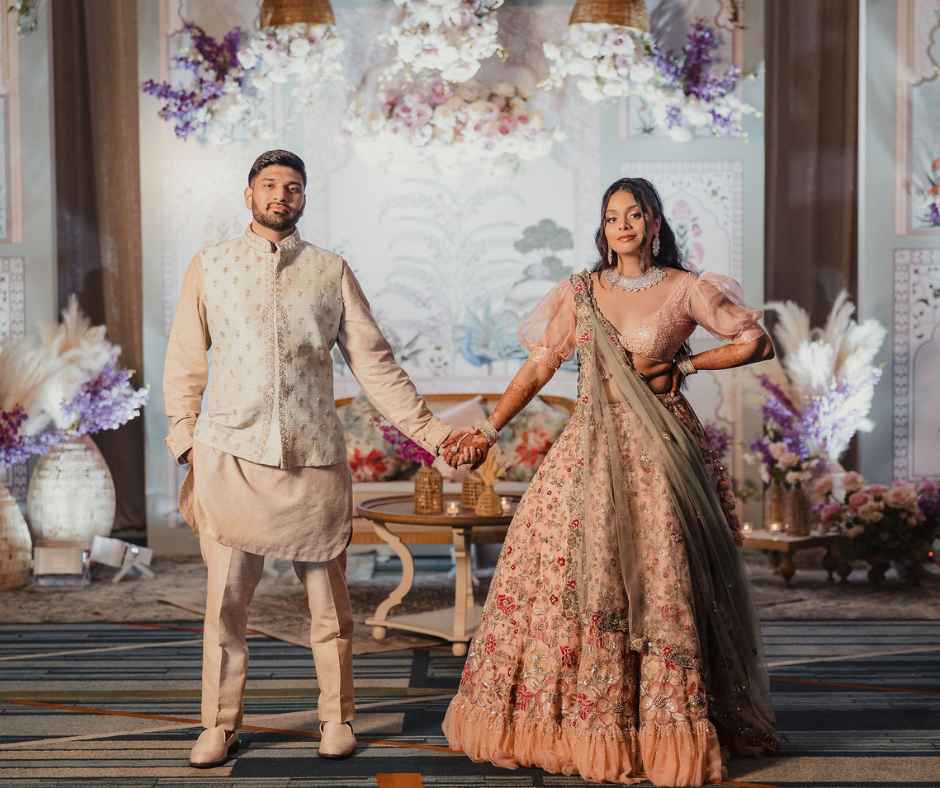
(633, 284)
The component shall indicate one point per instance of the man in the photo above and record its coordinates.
(268, 473)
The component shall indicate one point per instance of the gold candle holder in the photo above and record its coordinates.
(488, 503)
(471, 489)
(429, 491)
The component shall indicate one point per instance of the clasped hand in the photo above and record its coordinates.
(465, 446)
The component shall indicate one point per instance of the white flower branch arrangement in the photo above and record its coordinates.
(450, 37)
(66, 385)
(609, 61)
(820, 395)
(467, 125)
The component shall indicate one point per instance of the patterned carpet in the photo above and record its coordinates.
(116, 704)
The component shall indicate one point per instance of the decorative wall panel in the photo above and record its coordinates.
(13, 324)
(916, 363)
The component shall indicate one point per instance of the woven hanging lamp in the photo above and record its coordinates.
(623, 13)
(276, 13)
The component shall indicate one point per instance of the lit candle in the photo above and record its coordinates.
(775, 527)
(505, 504)
(453, 507)
(746, 527)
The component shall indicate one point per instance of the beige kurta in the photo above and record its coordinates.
(301, 512)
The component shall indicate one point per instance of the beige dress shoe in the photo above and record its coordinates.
(213, 748)
(336, 740)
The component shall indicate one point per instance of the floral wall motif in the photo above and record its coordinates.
(916, 363)
(919, 39)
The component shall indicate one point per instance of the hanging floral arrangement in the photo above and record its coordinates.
(215, 105)
(604, 61)
(689, 96)
(608, 53)
(929, 194)
(228, 94)
(451, 127)
(450, 37)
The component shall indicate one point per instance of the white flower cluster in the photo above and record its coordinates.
(308, 55)
(450, 127)
(605, 61)
(451, 37)
(239, 114)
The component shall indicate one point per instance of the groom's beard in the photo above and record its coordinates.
(273, 220)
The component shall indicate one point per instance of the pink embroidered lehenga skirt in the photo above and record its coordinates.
(550, 679)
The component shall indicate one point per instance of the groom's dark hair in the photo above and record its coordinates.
(282, 157)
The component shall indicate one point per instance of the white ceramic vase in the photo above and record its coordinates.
(16, 547)
(71, 494)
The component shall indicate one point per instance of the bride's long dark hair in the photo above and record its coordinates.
(652, 206)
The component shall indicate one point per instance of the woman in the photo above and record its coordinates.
(618, 639)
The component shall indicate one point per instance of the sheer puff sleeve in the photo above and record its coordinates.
(716, 303)
(548, 333)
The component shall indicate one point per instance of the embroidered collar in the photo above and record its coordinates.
(260, 244)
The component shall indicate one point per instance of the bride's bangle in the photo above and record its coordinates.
(685, 365)
(489, 431)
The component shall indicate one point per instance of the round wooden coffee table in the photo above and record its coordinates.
(455, 624)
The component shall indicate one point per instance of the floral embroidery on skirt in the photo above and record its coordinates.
(550, 679)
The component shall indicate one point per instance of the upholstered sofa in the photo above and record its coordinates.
(378, 471)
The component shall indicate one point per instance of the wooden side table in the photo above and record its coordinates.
(780, 548)
(455, 624)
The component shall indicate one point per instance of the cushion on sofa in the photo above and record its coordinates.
(371, 458)
(527, 438)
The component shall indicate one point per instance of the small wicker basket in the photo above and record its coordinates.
(429, 491)
(276, 13)
(470, 492)
(624, 13)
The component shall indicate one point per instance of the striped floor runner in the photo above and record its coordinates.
(858, 704)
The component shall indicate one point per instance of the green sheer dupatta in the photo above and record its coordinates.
(730, 655)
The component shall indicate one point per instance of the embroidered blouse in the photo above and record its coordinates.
(710, 300)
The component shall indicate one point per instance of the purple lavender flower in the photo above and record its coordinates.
(16, 447)
(405, 448)
(214, 66)
(106, 402)
(690, 72)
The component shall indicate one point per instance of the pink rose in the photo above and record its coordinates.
(831, 512)
(859, 499)
(877, 489)
(852, 481)
(823, 486)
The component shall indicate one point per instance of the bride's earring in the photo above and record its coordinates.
(656, 245)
